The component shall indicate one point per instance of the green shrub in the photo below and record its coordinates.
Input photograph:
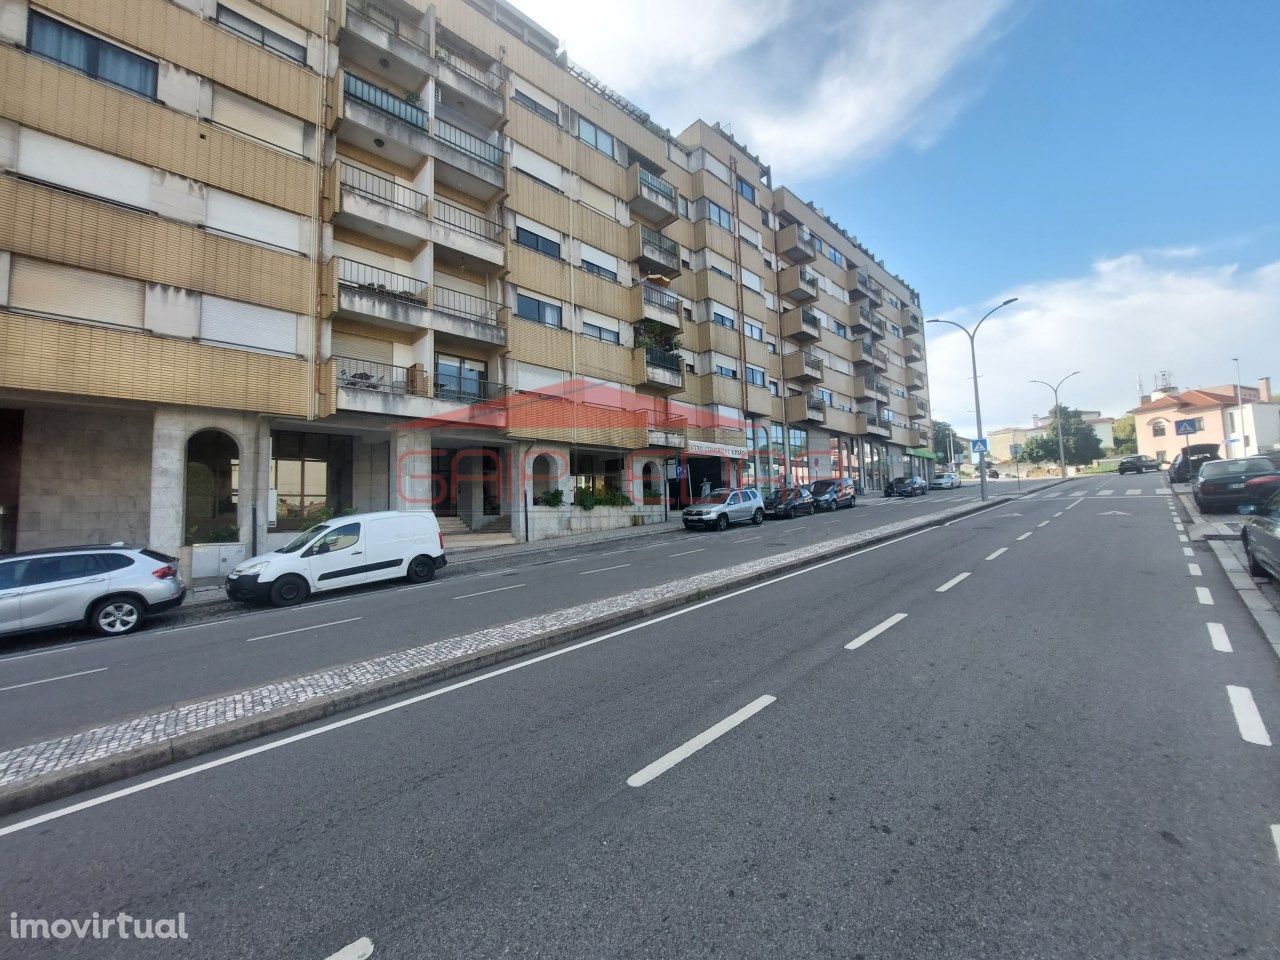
(550, 498)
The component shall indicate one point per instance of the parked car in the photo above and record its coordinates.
(908, 487)
(724, 507)
(109, 588)
(1188, 461)
(1261, 537)
(833, 494)
(1224, 484)
(945, 481)
(1140, 463)
(343, 552)
(788, 502)
(993, 474)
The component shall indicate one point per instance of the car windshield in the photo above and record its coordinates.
(1235, 468)
(302, 539)
(822, 486)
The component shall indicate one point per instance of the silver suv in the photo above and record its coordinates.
(723, 507)
(110, 588)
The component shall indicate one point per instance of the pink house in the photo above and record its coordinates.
(1213, 408)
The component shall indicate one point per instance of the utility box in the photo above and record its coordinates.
(215, 559)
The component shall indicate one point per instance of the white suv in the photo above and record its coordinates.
(723, 507)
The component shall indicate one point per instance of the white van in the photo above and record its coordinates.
(343, 552)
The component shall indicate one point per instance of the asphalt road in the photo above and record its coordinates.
(61, 687)
(1044, 752)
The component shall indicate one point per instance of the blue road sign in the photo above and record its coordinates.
(979, 446)
(1184, 428)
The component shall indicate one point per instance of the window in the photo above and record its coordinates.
(590, 134)
(827, 396)
(682, 205)
(773, 345)
(460, 379)
(774, 388)
(600, 271)
(723, 371)
(1199, 422)
(716, 213)
(755, 376)
(722, 320)
(260, 35)
(526, 101)
(753, 330)
(746, 190)
(1157, 428)
(897, 330)
(535, 241)
(539, 311)
(339, 538)
(1160, 456)
(93, 57)
(55, 569)
(311, 474)
(600, 333)
(835, 256)
(841, 330)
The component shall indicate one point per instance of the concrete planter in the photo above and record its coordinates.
(546, 523)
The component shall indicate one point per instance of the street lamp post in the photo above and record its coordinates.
(1240, 411)
(1057, 416)
(977, 403)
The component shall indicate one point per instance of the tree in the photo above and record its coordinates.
(1040, 449)
(1125, 436)
(1079, 440)
(942, 434)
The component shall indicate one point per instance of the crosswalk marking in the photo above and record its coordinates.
(1132, 493)
(1052, 493)
(1105, 493)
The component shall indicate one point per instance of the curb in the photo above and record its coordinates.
(43, 789)
(1260, 608)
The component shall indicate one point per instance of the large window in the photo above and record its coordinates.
(747, 190)
(212, 494)
(723, 371)
(600, 333)
(755, 376)
(526, 101)
(721, 320)
(261, 35)
(753, 330)
(535, 241)
(718, 214)
(589, 133)
(539, 311)
(93, 57)
(458, 378)
(311, 474)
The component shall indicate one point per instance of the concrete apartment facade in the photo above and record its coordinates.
(272, 261)
(1241, 421)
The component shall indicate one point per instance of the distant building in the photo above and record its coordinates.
(1240, 426)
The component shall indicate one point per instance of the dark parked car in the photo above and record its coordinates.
(1225, 484)
(1188, 461)
(1261, 537)
(833, 494)
(1136, 464)
(907, 487)
(787, 503)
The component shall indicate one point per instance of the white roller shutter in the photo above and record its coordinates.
(536, 165)
(356, 347)
(448, 281)
(257, 120)
(536, 95)
(62, 291)
(598, 199)
(70, 165)
(600, 320)
(264, 18)
(600, 258)
(252, 220)
(247, 325)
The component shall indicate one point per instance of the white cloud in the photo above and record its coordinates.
(1129, 317)
(810, 85)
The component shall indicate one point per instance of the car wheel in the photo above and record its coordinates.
(1255, 568)
(116, 616)
(288, 590)
(757, 518)
(722, 523)
(422, 569)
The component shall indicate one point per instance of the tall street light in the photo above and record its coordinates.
(977, 403)
(1057, 416)
(1239, 411)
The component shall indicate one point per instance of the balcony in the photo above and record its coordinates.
(471, 241)
(381, 388)
(915, 381)
(658, 370)
(802, 367)
(653, 303)
(651, 197)
(912, 351)
(806, 408)
(859, 319)
(864, 352)
(917, 409)
(798, 285)
(381, 208)
(880, 359)
(387, 43)
(879, 329)
(664, 430)
(470, 164)
(911, 322)
(862, 287)
(868, 423)
(480, 87)
(796, 245)
(654, 254)
(801, 326)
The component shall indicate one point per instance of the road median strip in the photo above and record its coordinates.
(59, 767)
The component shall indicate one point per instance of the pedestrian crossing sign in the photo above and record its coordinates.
(1184, 428)
(980, 446)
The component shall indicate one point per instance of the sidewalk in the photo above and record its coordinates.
(1218, 526)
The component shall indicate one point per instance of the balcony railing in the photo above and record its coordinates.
(652, 238)
(465, 305)
(486, 78)
(384, 101)
(468, 221)
(381, 17)
(657, 297)
(380, 282)
(810, 320)
(815, 401)
(379, 377)
(657, 185)
(453, 388)
(382, 189)
(665, 359)
(467, 142)
(813, 363)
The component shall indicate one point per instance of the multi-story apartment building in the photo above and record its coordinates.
(265, 261)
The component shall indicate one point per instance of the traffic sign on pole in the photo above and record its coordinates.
(1184, 428)
(980, 446)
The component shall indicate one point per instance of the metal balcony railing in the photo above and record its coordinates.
(665, 359)
(657, 297)
(652, 238)
(454, 388)
(386, 20)
(465, 305)
(813, 363)
(381, 283)
(468, 143)
(384, 101)
(468, 221)
(486, 78)
(815, 401)
(810, 320)
(657, 185)
(382, 189)
(380, 377)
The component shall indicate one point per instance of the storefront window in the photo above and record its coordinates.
(596, 472)
(311, 474)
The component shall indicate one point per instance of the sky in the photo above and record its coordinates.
(1114, 164)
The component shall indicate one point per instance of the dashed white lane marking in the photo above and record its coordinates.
(1248, 719)
(618, 567)
(468, 596)
(690, 747)
(746, 539)
(317, 626)
(1218, 637)
(1182, 538)
(1074, 504)
(1204, 596)
(1043, 523)
(952, 582)
(685, 553)
(361, 949)
(1027, 534)
(1188, 552)
(65, 676)
(1193, 569)
(825, 522)
(1275, 837)
(875, 631)
(1031, 496)
(1132, 493)
(997, 553)
(1058, 514)
(566, 560)
(1105, 493)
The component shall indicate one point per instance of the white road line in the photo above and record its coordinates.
(1105, 493)
(551, 563)
(1030, 496)
(1027, 534)
(690, 747)
(1204, 596)
(875, 631)
(1193, 569)
(1075, 504)
(1058, 514)
(951, 583)
(1188, 552)
(316, 626)
(1248, 719)
(587, 573)
(997, 553)
(65, 676)
(431, 694)
(1043, 523)
(468, 596)
(1053, 493)
(746, 539)
(361, 949)
(1132, 493)
(685, 553)
(1178, 526)
(1182, 538)
(825, 522)
(1275, 837)
(1218, 637)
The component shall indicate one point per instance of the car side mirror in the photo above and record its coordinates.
(1247, 509)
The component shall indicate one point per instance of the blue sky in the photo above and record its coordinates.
(1112, 163)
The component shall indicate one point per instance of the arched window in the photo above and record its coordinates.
(1157, 428)
(213, 479)
(649, 477)
(544, 474)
